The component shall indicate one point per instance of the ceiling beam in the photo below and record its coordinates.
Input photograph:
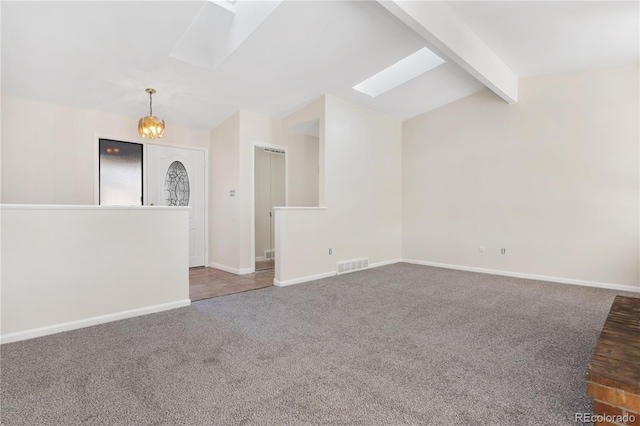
(446, 32)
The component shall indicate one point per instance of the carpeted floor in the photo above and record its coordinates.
(401, 344)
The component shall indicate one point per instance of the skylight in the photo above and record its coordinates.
(219, 29)
(402, 71)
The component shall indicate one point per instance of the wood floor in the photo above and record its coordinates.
(205, 283)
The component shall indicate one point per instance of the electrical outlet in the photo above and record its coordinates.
(503, 251)
(330, 251)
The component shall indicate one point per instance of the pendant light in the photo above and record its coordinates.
(151, 127)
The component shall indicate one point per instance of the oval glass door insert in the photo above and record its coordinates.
(176, 185)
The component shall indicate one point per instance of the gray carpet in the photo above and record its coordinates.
(401, 344)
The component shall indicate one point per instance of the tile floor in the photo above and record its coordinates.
(264, 264)
(205, 283)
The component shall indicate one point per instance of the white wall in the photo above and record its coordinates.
(312, 111)
(362, 182)
(303, 169)
(65, 267)
(224, 224)
(553, 179)
(48, 149)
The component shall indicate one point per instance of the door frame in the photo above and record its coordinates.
(254, 145)
(96, 176)
(96, 164)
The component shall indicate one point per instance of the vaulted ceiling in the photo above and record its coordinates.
(102, 55)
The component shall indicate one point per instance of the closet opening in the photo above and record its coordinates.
(270, 176)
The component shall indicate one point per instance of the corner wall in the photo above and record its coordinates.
(362, 190)
(553, 179)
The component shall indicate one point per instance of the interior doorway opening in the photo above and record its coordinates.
(269, 192)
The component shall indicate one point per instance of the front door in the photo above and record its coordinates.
(175, 177)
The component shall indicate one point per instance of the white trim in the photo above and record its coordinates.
(260, 258)
(85, 207)
(243, 271)
(572, 281)
(305, 279)
(145, 176)
(560, 280)
(299, 208)
(254, 145)
(176, 145)
(96, 169)
(331, 274)
(87, 322)
(224, 268)
(206, 204)
(383, 263)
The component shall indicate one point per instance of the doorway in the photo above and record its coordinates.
(176, 177)
(269, 192)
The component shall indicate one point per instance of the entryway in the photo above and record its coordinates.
(205, 283)
(176, 177)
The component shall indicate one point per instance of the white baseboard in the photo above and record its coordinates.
(384, 263)
(560, 280)
(304, 279)
(243, 271)
(87, 322)
(331, 274)
(260, 258)
(224, 268)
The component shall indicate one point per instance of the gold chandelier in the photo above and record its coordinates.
(151, 127)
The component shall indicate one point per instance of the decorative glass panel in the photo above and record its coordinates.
(120, 173)
(176, 185)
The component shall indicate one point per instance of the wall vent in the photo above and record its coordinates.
(352, 265)
(269, 254)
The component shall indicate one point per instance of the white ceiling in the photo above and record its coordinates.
(546, 37)
(102, 55)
